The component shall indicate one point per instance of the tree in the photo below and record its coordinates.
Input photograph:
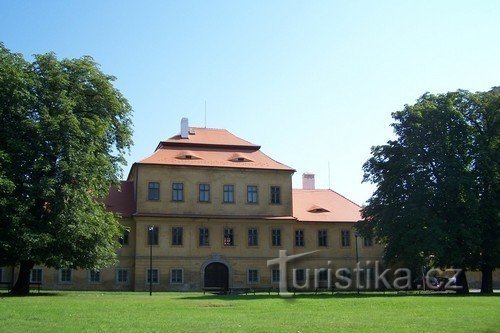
(430, 206)
(64, 132)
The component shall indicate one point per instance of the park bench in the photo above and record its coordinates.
(239, 290)
(324, 289)
(215, 290)
(267, 290)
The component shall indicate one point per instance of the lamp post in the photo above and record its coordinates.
(357, 261)
(150, 239)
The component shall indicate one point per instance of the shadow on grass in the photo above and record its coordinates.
(345, 295)
(31, 294)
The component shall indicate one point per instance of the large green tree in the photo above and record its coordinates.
(436, 201)
(64, 130)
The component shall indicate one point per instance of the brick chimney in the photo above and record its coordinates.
(308, 181)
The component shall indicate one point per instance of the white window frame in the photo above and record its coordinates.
(70, 276)
(99, 272)
(248, 276)
(128, 275)
(41, 275)
(272, 275)
(172, 275)
(154, 269)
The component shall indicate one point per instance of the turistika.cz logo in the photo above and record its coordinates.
(365, 278)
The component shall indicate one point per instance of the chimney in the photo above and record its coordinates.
(308, 181)
(184, 128)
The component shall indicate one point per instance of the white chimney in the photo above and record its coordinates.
(184, 128)
(308, 181)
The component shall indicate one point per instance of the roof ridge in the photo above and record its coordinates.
(344, 197)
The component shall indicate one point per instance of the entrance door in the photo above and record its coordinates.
(217, 275)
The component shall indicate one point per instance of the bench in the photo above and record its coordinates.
(267, 290)
(7, 284)
(239, 290)
(324, 289)
(216, 290)
(37, 284)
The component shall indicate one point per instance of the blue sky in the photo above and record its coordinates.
(312, 82)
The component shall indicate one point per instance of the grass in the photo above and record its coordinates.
(195, 312)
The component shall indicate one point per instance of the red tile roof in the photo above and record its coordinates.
(323, 206)
(121, 201)
(212, 148)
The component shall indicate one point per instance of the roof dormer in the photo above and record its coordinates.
(317, 209)
(238, 157)
(187, 155)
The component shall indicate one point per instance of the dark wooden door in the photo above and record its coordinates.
(216, 275)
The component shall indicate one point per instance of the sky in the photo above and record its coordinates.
(313, 82)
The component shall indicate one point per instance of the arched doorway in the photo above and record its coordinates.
(216, 275)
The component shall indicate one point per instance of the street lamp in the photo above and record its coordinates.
(150, 236)
(357, 261)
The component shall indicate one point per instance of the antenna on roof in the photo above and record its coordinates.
(329, 187)
(205, 113)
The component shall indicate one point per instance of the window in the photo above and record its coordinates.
(122, 275)
(204, 195)
(346, 238)
(276, 237)
(153, 276)
(65, 275)
(204, 237)
(228, 193)
(275, 195)
(176, 276)
(300, 275)
(1, 274)
(275, 276)
(123, 240)
(177, 235)
(153, 232)
(94, 276)
(228, 237)
(253, 276)
(323, 275)
(253, 237)
(322, 238)
(367, 241)
(299, 237)
(35, 275)
(153, 191)
(177, 192)
(252, 194)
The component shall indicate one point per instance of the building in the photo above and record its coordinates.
(213, 208)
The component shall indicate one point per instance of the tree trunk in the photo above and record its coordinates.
(22, 286)
(486, 280)
(463, 286)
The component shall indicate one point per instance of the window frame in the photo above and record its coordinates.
(204, 188)
(277, 237)
(153, 237)
(300, 238)
(345, 238)
(172, 275)
(124, 240)
(152, 276)
(249, 275)
(117, 275)
(277, 270)
(61, 275)
(177, 192)
(231, 192)
(152, 189)
(275, 195)
(228, 237)
(321, 235)
(206, 236)
(40, 280)
(256, 236)
(92, 274)
(175, 236)
(252, 194)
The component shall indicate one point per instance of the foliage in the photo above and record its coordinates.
(64, 132)
(436, 201)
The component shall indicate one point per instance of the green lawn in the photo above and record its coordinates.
(195, 312)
